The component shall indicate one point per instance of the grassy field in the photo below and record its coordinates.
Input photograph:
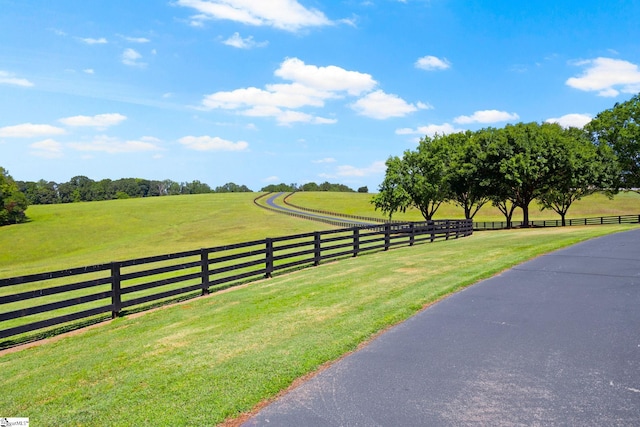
(78, 234)
(212, 358)
(359, 204)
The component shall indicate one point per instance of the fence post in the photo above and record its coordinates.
(269, 258)
(431, 226)
(317, 251)
(619, 220)
(448, 227)
(356, 241)
(204, 270)
(116, 294)
(387, 236)
(412, 234)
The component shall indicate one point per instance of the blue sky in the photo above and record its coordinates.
(268, 91)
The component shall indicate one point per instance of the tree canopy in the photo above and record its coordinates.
(13, 202)
(511, 167)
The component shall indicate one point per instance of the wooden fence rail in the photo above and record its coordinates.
(601, 220)
(43, 303)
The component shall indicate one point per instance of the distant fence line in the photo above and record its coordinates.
(600, 220)
(37, 302)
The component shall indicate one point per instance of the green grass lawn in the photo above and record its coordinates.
(203, 361)
(359, 204)
(78, 234)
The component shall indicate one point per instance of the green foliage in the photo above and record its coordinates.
(13, 202)
(364, 189)
(232, 187)
(619, 128)
(392, 196)
(309, 186)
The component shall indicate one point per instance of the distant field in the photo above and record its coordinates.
(78, 234)
(359, 204)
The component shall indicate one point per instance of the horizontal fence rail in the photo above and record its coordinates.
(47, 303)
(601, 220)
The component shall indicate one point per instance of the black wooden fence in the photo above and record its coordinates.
(601, 220)
(53, 301)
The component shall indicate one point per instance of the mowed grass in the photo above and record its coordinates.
(201, 362)
(79, 234)
(360, 204)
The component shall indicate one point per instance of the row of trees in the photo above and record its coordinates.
(311, 186)
(83, 189)
(508, 167)
(513, 166)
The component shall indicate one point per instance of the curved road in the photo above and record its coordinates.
(271, 202)
(554, 341)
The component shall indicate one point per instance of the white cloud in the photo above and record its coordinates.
(208, 143)
(571, 120)
(130, 57)
(380, 105)
(487, 116)
(431, 63)
(325, 160)
(430, 130)
(10, 79)
(89, 71)
(311, 86)
(330, 78)
(90, 40)
(136, 39)
(99, 121)
(243, 43)
(29, 130)
(607, 76)
(286, 15)
(111, 145)
(48, 148)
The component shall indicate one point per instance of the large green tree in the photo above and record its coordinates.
(619, 128)
(392, 197)
(582, 168)
(13, 203)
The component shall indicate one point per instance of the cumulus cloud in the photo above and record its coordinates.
(286, 15)
(330, 78)
(487, 116)
(430, 130)
(571, 120)
(48, 148)
(30, 130)
(432, 63)
(99, 121)
(136, 39)
(381, 105)
(375, 168)
(89, 71)
(243, 43)
(10, 79)
(208, 143)
(607, 76)
(131, 57)
(112, 145)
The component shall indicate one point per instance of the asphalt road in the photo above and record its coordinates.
(554, 341)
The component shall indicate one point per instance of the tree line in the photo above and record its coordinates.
(509, 168)
(311, 186)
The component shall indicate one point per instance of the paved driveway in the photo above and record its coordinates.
(554, 341)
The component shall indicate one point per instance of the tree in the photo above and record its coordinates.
(231, 187)
(418, 179)
(392, 197)
(364, 189)
(619, 128)
(466, 157)
(13, 203)
(522, 160)
(583, 169)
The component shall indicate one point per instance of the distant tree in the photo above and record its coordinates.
(195, 187)
(279, 188)
(231, 187)
(364, 189)
(310, 186)
(13, 203)
(619, 128)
